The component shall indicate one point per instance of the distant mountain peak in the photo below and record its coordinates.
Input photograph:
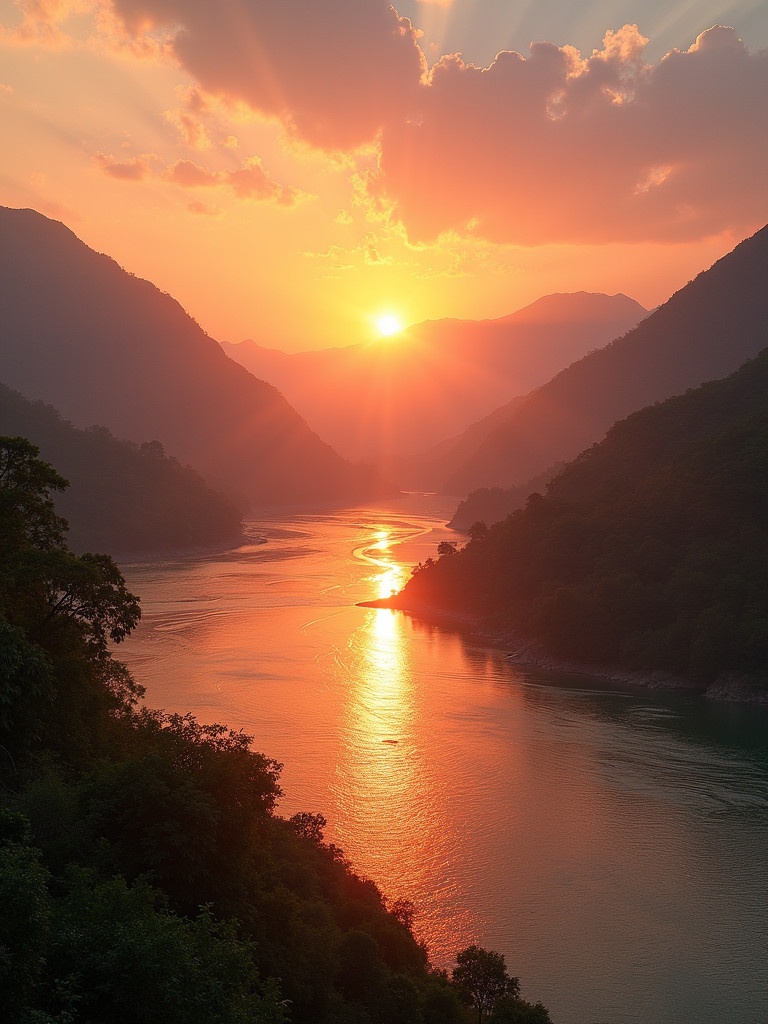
(560, 307)
(439, 376)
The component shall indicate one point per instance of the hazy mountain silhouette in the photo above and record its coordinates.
(403, 394)
(490, 504)
(121, 499)
(105, 347)
(705, 331)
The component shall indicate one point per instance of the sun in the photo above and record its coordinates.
(388, 324)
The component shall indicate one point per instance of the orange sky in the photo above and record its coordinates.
(291, 170)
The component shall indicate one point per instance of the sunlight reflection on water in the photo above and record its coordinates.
(392, 803)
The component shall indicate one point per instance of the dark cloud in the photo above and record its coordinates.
(334, 71)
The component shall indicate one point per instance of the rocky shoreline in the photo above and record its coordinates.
(731, 687)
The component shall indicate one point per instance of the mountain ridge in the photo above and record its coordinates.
(106, 347)
(704, 331)
(122, 498)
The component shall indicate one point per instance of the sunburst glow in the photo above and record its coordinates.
(388, 324)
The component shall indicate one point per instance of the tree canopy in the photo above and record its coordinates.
(482, 975)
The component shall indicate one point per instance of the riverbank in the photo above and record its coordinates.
(527, 653)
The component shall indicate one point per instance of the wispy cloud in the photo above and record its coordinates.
(136, 168)
(249, 181)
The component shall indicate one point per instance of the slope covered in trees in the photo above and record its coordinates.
(650, 550)
(703, 332)
(105, 347)
(123, 497)
(490, 504)
(145, 875)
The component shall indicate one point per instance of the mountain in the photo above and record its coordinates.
(705, 331)
(105, 347)
(650, 550)
(121, 498)
(402, 394)
(490, 504)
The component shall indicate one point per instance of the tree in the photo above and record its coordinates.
(26, 508)
(447, 547)
(59, 612)
(87, 589)
(481, 975)
(153, 449)
(308, 825)
(478, 531)
(42, 584)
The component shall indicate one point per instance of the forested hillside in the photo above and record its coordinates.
(490, 504)
(650, 550)
(123, 497)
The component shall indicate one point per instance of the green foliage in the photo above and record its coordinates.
(186, 803)
(308, 826)
(58, 615)
(447, 547)
(27, 510)
(116, 953)
(88, 590)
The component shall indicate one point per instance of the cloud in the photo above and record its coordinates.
(332, 72)
(549, 147)
(136, 168)
(41, 22)
(560, 148)
(204, 209)
(191, 129)
(249, 181)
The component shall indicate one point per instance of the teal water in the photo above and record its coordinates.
(612, 843)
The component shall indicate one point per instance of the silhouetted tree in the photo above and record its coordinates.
(481, 974)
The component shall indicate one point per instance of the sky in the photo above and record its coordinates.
(293, 171)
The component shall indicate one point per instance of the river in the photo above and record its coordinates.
(611, 843)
